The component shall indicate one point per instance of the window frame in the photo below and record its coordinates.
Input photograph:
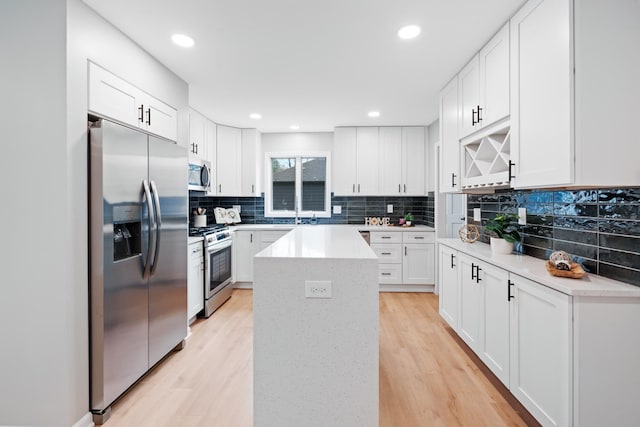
(268, 190)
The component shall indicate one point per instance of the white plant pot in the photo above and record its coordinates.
(500, 246)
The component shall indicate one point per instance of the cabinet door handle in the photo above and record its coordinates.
(509, 285)
(452, 257)
(251, 238)
(405, 251)
(405, 188)
(220, 188)
(511, 175)
(473, 117)
(473, 266)
(149, 116)
(399, 189)
(479, 116)
(354, 188)
(358, 188)
(141, 110)
(453, 179)
(478, 279)
(252, 188)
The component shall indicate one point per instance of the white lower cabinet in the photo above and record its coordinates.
(195, 280)
(493, 339)
(246, 244)
(469, 321)
(541, 351)
(406, 259)
(520, 329)
(448, 285)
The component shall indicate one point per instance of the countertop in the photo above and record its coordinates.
(326, 241)
(195, 239)
(359, 227)
(535, 269)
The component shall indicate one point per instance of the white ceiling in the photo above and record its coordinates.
(317, 64)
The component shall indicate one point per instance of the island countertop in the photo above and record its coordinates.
(320, 241)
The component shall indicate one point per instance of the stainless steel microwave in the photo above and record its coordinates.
(199, 175)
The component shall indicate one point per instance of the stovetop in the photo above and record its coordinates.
(203, 231)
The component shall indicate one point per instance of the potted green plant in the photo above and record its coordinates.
(408, 219)
(505, 227)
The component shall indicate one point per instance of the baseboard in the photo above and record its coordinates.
(406, 288)
(243, 285)
(86, 421)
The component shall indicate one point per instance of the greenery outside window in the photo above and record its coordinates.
(298, 182)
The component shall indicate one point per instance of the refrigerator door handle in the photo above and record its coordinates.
(152, 224)
(158, 223)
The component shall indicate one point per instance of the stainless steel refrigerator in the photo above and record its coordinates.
(138, 256)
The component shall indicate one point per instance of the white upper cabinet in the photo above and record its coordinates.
(367, 161)
(484, 86)
(414, 161)
(160, 118)
(251, 164)
(343, 160)
(212, 148)
(355, 161)
(449, 143)
(198, 127)
(541, 122)
(116, 99)
(574, 93)
(469, 93)
(494, 78)
(229, 150)
(391, 160)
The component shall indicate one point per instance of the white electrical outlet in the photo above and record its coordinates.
(389, 208)
(337, 209)
(237, 207)
(477, 214)
(522, 216)
(317, 288)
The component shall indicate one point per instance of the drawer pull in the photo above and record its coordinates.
(385, 237)
(385, 253)
(418, 237)
(386, 274)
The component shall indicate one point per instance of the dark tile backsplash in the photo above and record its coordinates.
(354, 209)
(600, 228)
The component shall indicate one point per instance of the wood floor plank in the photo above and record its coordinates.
(427, 376)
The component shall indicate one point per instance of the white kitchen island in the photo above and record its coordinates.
(316, 359)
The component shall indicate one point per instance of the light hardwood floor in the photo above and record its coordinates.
(427, 377)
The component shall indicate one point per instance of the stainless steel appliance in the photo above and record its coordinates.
(199, 175)
(138, 256)
(217, 267)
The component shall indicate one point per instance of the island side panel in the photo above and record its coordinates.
(315, 360)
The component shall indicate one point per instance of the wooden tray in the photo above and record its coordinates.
(576, 271)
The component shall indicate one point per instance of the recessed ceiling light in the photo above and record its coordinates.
(255, 116)
(294, 127)
(182, 40)
(409, 32)
(374, 114)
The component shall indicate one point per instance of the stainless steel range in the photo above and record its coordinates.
(217, 266)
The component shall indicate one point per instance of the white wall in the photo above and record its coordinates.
(35, 327)
(312, 141)
(44, 366)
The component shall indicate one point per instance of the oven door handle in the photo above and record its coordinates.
(152, 224)
(158, 223)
